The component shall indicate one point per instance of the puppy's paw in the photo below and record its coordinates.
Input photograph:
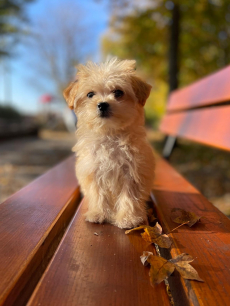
(129, 221)
(94, 217)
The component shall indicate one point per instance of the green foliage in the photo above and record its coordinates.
(143, 34)
(136, 36)
(155, 105)
(8, 112)
(11, 17)
(205, 34)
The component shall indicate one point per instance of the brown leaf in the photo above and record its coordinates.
(163, 241)
(182, 265)
(151, 216)
(146, 236)
(153, 235)
(156, 230)
(149, 212)
(187, 271)
(180, 216)
(137, 228)
(160, 269)
(144, 257)
(182, 257)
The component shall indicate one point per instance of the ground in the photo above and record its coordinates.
(22, 160)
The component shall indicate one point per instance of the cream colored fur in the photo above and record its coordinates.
(115, 163)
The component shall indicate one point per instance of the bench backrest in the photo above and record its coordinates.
(201, 111)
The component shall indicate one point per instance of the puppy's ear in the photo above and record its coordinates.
(141, 89)
(70, 93)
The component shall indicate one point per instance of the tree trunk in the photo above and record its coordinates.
(174, 48)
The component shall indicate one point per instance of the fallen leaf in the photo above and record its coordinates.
(156, 230)
(161, 268)
(144, 257)
(162, 241)
(152, 219)
(177, 227)
(153, 235)
(182, 257)
(137, 229)
(149, 212)
(147, 238)
(182, 265)
(180, 216)
(151, 216)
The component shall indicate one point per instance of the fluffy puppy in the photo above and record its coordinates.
(115, 163)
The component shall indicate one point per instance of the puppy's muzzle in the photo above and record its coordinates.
(104, 109)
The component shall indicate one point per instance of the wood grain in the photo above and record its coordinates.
(212, 89)
(30, 224)
(209, 126)
(208, 241)
(98, 270)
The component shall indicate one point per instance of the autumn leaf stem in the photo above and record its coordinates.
(177, 227)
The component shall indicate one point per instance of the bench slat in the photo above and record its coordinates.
(30, 223)
(213, 89)
(208, 241)
(98, 270)
(208, 126)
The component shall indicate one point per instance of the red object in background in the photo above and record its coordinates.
(46, 98)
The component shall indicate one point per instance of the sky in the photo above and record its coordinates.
(25, 95)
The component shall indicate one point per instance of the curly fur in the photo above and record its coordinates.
(115, 163)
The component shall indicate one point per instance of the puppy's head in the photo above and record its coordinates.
(108, 96)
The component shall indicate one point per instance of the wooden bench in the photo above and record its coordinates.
(50, 256)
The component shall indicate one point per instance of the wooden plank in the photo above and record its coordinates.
(31, 222)
(98, 270)
(212, 89)
(209, 126)
(208, 241)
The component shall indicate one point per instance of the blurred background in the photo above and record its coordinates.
(41, 41)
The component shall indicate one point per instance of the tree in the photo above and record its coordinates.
(174, 42)
(12, 16)
(57, 42)
(188, 39)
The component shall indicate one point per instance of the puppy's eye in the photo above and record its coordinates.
(118, 93)
(90, 94)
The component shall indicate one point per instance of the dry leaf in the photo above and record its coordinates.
(182, 265)
(161, 268)
(149, 212)
(137, 228)
(180, 216)
(156, 230)
(144, 257)
(146, 237)
(151, 216)
(182, 257)
(162, 241)
(153, 235)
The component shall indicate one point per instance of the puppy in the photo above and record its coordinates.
(115, 163)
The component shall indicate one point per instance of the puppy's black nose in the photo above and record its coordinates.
(103, 106)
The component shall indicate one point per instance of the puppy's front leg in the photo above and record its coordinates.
(98, 206)
(130, 207)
